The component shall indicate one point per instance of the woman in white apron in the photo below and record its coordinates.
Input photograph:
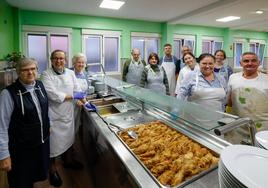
(204, 87)
(79, 62)
(191, 66)
(154, 76)
(221, 68)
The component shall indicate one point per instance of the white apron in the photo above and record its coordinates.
(155, 81)
(134, 73)
(208, 97)
(170, 69)
(61, 112)
(77, 110)
(252, 103)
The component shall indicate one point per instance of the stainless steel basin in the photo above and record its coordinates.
(103, 102)
(107, 110)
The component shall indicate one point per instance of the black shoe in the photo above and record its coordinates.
(55, 179)
(75, 165)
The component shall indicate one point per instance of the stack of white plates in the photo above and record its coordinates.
(262, 139)
(243, 166)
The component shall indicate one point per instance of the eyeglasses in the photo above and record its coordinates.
(58, 58)
(28, 70)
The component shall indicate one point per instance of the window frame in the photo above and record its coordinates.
(48, 31)
(242, 42)
(103, 34)
(258, 42)
(212, 41)
(145, 37)
(182, 39)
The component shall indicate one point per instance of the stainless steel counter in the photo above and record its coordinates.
(108, 140)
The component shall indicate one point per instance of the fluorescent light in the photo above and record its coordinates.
(228, 19)
(111, 4)
(259, 12)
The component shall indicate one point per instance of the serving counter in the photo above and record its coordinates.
(114, 164)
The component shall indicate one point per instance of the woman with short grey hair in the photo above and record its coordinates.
(79, 57)
(79, 61)
(24, 62)
(24, 127)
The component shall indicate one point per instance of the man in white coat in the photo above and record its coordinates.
(62, 87)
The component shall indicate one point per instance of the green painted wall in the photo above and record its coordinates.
(199, 32)
(78, 22)
(10, 31)
(7, 26)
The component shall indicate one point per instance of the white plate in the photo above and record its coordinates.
(230, 178)
(262, 138)
(247, 164)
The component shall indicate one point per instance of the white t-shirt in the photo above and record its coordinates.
(250, 97)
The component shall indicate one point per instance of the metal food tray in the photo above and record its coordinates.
(124, 107)
(186, 182)
(128, 119)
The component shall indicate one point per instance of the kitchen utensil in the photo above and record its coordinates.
(132, 134)
(91, 89)
(99, 86)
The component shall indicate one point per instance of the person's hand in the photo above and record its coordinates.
(5, 164)
(68, 97)
(90, 107)
(79, 95)
(79, 103)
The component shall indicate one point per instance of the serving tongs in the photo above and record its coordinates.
(131, 134)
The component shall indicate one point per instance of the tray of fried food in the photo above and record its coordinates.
(171, 157)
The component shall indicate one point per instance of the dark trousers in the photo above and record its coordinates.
(28, 165)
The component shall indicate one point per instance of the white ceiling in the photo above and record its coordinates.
(193, 12)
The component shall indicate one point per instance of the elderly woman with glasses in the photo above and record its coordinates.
(24, 127)
(79, 63)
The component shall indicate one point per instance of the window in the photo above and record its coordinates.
(39, 42)
(102, 50)
(258, 47)
(238, 51)
(182, 40)
(146, 43)
(211, 44)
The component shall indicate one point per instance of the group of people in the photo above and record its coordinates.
(39, 119)
(205, 80)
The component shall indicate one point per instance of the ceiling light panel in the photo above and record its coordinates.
(111, 4)
(228, 19)
(259, 12)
